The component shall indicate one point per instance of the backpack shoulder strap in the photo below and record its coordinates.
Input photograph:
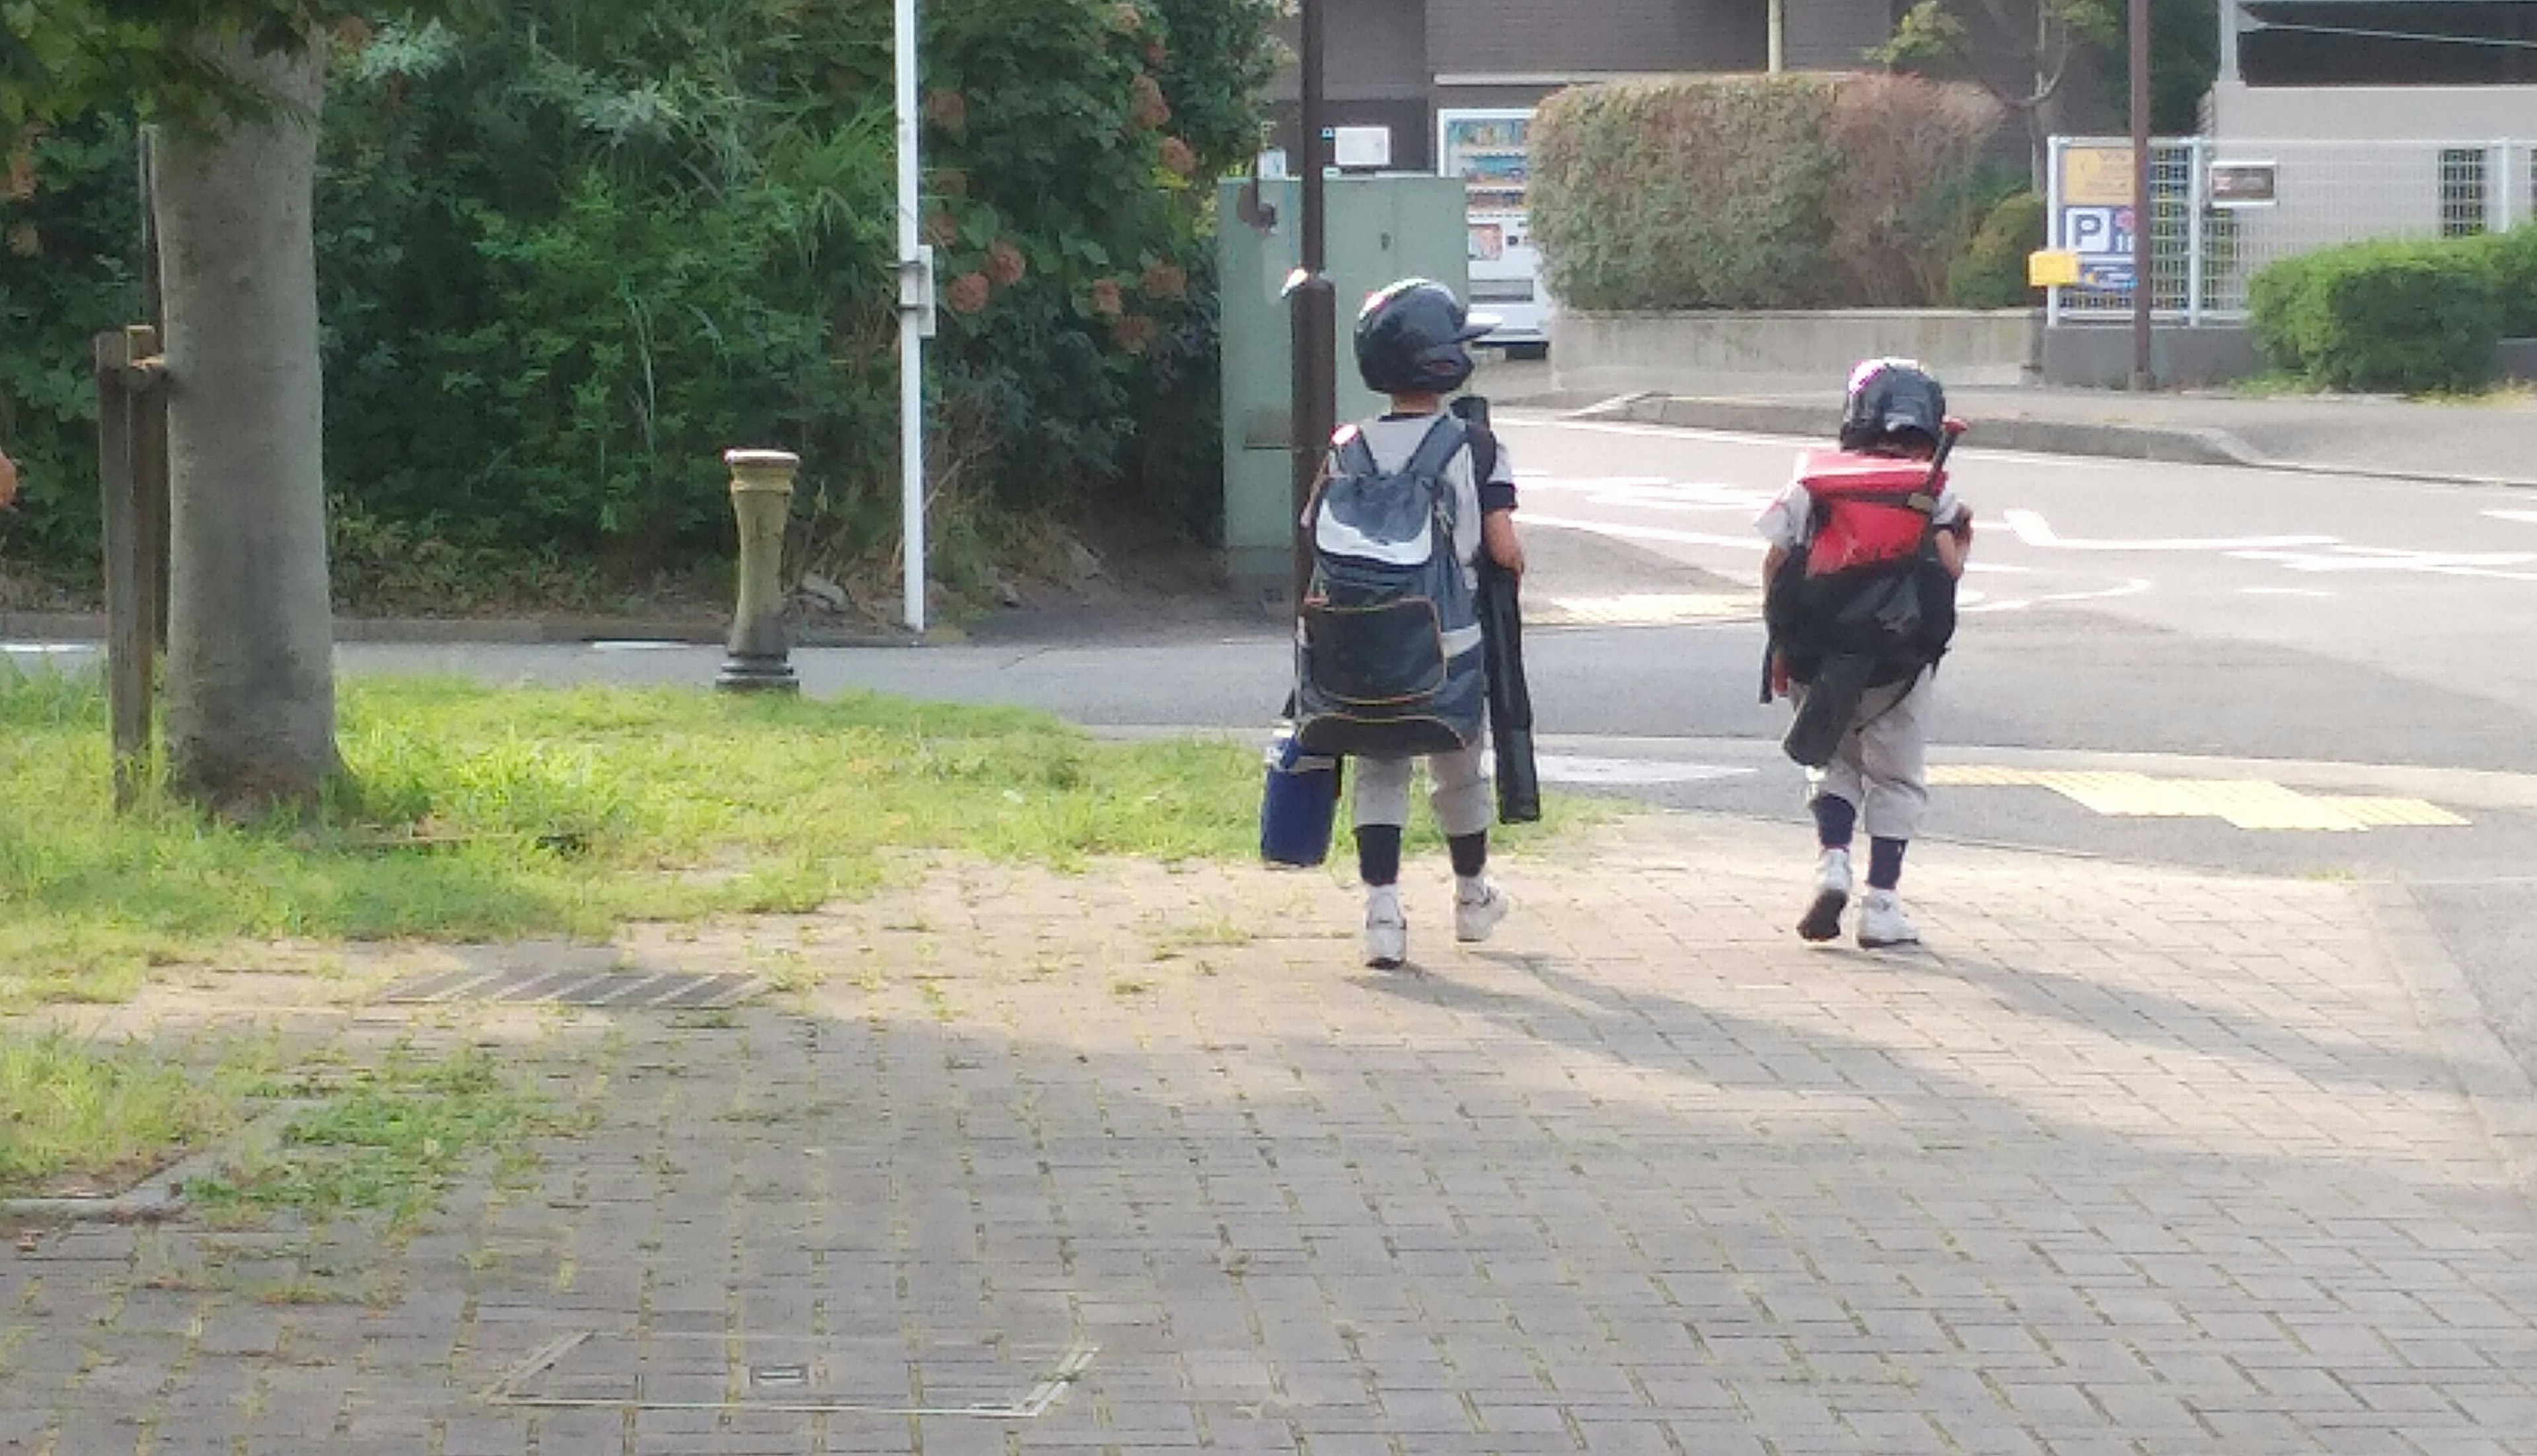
(1435, 454)
(1484, 454)
(1354, 455)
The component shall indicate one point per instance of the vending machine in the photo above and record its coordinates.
(1488, 149)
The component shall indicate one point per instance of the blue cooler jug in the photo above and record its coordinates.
(1298, 804)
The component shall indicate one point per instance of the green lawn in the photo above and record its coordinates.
(476, 813)
(484, 813)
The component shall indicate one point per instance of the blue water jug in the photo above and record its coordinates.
(1298, 804)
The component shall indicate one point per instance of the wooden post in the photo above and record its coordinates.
(152, 458)
(127, 627)
(130, 452)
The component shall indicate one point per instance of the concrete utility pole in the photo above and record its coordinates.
(1778, 52)
(915, 322)
(2144, 210)
(1314, 307)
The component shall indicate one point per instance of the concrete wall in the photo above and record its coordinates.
(2100, 356)
(2377, 113)
(1617, 353)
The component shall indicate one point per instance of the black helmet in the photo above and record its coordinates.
(1410, 337)
(1892, 399)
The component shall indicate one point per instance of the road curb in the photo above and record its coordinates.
(2165, 444)
(528, 631)
(2095, 439)
(2483, 1067)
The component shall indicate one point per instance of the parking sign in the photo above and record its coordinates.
(2098, 231)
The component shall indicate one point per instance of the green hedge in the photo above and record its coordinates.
(1991, 272)
(2510, 258)
(1796, 191)
(2413, 317)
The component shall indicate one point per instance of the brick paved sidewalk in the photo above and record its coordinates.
(2136, 1161)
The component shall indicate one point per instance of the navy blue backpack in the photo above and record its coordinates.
(1388, 655)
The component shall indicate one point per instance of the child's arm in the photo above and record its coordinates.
(1497, 538)
(1955, 542)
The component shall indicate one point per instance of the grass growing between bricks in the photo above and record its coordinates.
(386, 1142)
(77, 1119)
(485, 814)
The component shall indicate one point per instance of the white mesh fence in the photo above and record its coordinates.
(2205, 252)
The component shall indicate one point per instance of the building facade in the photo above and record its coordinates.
(1397, 64)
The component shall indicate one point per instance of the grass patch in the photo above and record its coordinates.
(78, 1119)
(392, 1142)
(480, 814)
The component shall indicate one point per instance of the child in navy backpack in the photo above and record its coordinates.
(1412, 344)
(1895, 410)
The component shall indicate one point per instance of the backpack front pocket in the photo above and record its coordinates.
(1374, 656)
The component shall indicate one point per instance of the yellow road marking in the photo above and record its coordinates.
(2247, 804)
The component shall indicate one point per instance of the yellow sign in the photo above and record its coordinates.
(2095, 177)
(2052, 269)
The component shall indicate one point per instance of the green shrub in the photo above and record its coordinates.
(2512, 260)
(1791, 191)
(1990, 271)
(1910, 186)
(2416, 317)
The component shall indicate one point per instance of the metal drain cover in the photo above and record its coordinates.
(663, 991)
(985, 1379)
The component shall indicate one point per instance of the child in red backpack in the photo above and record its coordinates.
(1895, 410)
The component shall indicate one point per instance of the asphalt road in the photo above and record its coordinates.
(2331, 641)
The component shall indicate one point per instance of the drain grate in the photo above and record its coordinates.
(662, 991)
(985, 1379)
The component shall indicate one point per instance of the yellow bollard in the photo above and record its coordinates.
(762, 496)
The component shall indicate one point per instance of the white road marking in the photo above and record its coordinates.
(1558, 768)
(2031, 529)
(2525, 518)
(2132, 587)
(2344, 558)
(2282, 591)
(1745, 540)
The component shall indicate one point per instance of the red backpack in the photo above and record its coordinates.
(1870, 510)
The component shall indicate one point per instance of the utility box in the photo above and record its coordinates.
(1376, 230)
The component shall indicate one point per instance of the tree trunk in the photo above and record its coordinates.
(250, 709)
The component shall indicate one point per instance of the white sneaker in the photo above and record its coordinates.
(1832, 896)
(1475, 916)
(1387, 930)
(1882, 923)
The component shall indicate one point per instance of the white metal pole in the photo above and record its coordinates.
(2052, 237)
(915, 288)
(2198, 231)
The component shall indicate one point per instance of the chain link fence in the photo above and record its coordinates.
(2204, 250)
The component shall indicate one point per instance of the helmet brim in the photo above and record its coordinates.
(1479, 326)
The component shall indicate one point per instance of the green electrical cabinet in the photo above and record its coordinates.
(1377, 230)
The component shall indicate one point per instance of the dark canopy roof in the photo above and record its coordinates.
(2389, 42)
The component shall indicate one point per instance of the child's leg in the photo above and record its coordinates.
(1833, 795)
(1463, 805)
(1382, 809)
(1464, 802)
(1895, 748)
(1835, 792)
